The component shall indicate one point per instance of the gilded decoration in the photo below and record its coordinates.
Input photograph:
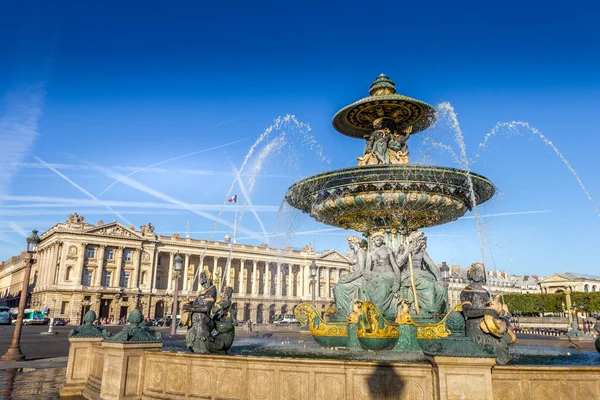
(306, 314)
(372, 324)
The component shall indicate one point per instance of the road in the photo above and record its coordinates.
(37, 346)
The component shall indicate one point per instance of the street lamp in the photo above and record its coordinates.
(14, 351)
(313, 274)
(177, 263)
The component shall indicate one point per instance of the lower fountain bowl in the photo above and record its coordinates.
(395, 196)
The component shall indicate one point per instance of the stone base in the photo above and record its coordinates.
(78, 365)
(463, 377)
(139, 371)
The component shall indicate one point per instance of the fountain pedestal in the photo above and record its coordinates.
(463, 377)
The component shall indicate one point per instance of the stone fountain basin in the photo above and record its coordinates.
(395, 196)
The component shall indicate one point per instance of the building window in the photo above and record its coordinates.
(64, 307)
(91, 252)
(110, 253)
(106, 278)
(143, 279)
(68, 274)
(586, 288)
(87, 277)
(124, 279)
(594, 288)
(127, 255)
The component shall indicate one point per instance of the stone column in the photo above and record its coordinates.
(80, 261)
(267, 277)
(137, 258)
(63, 257)
(100, 267)
(278, 282)
(305, 280)
(215, 270)
(327, 284)
(154, 271)
(254, 279)
(119, 266)
(170, 276)
(290, 291)
(186, 268)
(253, 311)
(242, 287)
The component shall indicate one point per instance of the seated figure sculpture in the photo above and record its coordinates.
(431, 294)
(212, 328)
(487, 321)
(349, 286)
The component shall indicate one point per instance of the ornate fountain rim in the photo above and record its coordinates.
(319, 182)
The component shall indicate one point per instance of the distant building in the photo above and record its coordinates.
(569, 281)
(498, 282)
(11, 280)
(112, 269)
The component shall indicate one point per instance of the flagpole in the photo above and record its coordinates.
(228, 264)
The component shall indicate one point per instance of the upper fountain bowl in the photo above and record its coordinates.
(403, 197)
(356, 120)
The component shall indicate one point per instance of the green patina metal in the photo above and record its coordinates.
(137, 331)
(457, 344)
(407, 340)
(88, 329)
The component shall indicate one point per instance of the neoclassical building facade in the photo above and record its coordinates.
(111, 269)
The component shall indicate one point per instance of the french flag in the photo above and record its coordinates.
(232, 199)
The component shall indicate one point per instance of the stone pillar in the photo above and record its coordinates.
(100, 267)
(278, 282)
(290, 291)
(327, 283)
(119, 266)
(170, 276)
(79, 365)
(267, 286)
(241, 285)
(186, 268)
(137, 257)
(305, 280)
(80, 261)
(154, 271)
(254, 279)
(123, 373)
(215, 271)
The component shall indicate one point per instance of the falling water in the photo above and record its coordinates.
(286, 126)
(446, 110)
(512, 127)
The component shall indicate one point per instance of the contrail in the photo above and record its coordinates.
(82, 190)
(155, 193)
(169, 160)
(18, 127)
(509, 213)
(248, 201)
(17, 228)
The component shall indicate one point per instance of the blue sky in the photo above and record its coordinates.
(93, 92)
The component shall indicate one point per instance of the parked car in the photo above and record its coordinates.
(60, 321)
(5, 315)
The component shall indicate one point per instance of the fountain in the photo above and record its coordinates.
(388, 200)
(390, 333)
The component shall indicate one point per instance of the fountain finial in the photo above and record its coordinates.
(382, 85)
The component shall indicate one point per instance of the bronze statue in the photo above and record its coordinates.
(487, 321)
(349, 286)
(431, 294)
(212, 327)
(376, 149)
(398, 148)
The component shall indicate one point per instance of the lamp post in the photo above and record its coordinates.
(313, 274)
(14, 351)
(177, 263)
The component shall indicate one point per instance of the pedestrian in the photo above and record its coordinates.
(249, 325)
